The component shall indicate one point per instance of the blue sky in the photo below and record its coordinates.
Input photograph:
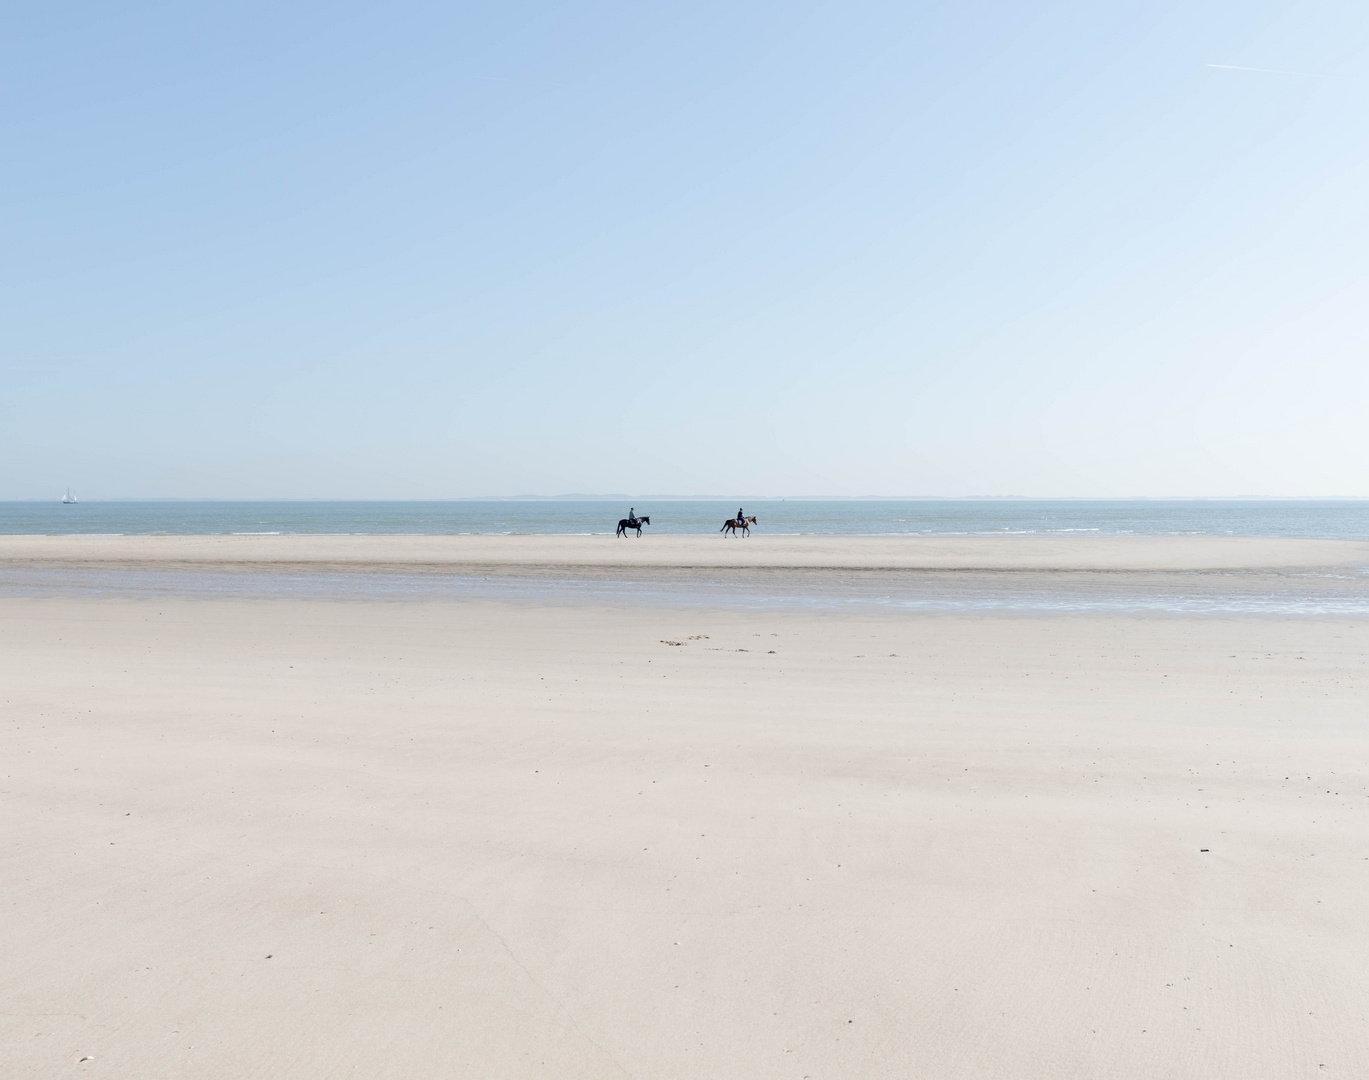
(434, 250)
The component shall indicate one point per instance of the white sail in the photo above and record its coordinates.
(68, 497)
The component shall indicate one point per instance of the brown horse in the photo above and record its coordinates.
(744, 524)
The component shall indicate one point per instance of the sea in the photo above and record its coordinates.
(1340, 519)
(1331, 592)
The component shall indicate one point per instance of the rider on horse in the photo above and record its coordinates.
(632, 516)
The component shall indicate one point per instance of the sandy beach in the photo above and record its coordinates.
(259, 837)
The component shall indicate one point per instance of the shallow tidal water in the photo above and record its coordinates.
(1340, 593)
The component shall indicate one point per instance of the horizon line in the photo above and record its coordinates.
(620, 497)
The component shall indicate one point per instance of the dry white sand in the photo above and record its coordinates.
(283, 838)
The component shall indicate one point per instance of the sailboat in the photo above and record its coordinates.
(68, 497)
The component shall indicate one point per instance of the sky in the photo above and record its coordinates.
(414, 250)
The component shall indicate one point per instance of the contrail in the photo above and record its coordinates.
(1276, 71)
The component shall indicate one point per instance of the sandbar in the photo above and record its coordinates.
(1008, 553)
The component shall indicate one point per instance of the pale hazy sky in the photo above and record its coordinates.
(426, 250)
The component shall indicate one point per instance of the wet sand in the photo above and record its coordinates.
(310, 838)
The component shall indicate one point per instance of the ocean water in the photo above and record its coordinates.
(1294, 518)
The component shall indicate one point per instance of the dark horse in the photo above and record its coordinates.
(744, 524)
(631, 523)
